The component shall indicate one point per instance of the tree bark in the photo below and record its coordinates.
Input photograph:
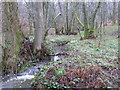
(114, 13)
(30, 9)
(13, 36)
(39, 25)
(86, 30)
(91, 30)
(67, 21)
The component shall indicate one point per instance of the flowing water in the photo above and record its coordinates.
(23, 80)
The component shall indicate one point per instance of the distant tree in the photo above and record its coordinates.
(54, 19)
(88, 29)
(114, 13)
(92, 28)
(30, 11)
(67, 21)
(45, 13)
(46, 17)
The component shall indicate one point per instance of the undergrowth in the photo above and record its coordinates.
(92, 63)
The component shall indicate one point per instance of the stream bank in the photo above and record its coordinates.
(24, 79)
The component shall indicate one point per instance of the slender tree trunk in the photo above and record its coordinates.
(72, 17)
(91, 30)
(114, 13)
(39, 25)
(86, 30)
(45, 13)
(118, 24)
(54, 20)
(67, 21)
(30, 15)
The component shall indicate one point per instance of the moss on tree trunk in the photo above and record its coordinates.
(86, 30)
(91, 30)
(13, 37)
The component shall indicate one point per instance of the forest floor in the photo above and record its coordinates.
(89, 63)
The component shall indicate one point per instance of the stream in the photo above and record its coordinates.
(23, 80)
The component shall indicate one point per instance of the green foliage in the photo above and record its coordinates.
(54, 78)
(60, 72)
(22, 69)
(5, 46)
(51, 85)
(24, 66)
(102, 53)
(77, 80)
(7, 43)
(71, 83)
(34, 82)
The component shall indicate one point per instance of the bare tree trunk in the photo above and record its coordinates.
(67, 21)
(62, 17)
(1, 40)
(45, 13)
(114, 13)
(72, 17)
(30, 10)
(54, 20)
(86, 30)
(39, 25)
(91, 31)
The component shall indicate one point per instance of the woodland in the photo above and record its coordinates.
(59, 44)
